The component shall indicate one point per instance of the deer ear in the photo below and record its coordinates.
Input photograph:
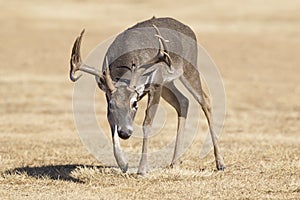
(101, 82)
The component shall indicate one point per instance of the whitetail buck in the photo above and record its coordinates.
(152, 72)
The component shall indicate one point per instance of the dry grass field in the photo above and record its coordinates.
(256, 46)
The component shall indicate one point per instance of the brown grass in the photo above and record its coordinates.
(256, 46)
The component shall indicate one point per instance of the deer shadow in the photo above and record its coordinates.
(54, 172)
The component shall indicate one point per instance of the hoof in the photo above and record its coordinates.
(175, 163)
(141, 173)
(125, 168)
(220, 165)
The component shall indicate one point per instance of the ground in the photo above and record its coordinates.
(256, 46)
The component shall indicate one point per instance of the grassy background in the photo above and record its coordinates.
(256, 46)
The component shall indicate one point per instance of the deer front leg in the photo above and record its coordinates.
(153, 100)
(176, 99)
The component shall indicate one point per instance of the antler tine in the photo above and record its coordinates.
(163, 48)
(75, 60)
(163, 40)
(108, 80)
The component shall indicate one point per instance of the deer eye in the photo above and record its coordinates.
(134, 105)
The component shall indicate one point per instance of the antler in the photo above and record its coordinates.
(162, 55)
(163, 48)
(76, 63)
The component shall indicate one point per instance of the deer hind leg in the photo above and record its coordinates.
(176, 99)
(191, 80)
(153, 100)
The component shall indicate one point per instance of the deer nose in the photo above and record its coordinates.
(124, 133)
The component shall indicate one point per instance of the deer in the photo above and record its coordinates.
(152, 72)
